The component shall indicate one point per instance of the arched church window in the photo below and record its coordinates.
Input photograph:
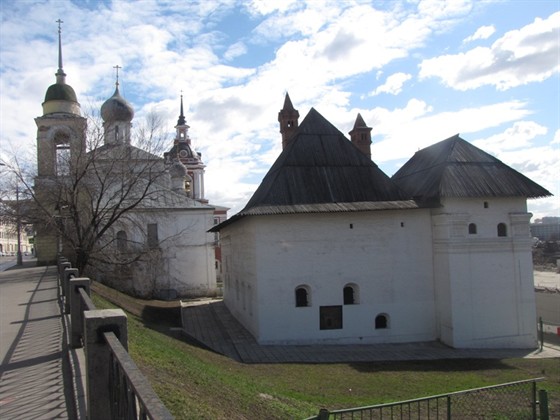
(502, 229)
(472, 229)
(381, 321)
(302, 296)
(350, 294)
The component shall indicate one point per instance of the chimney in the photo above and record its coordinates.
(288, 119)
(360, 136)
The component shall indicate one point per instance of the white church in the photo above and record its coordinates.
(161, 248)
(330, 250)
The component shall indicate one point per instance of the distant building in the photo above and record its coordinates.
(329, 249)
(546, 229)
(8, 240)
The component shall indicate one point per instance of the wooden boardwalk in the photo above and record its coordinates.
(210, 323)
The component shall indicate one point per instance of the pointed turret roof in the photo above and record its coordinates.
(181, 120)
(455, 168)
(360, 123)
(288, 103)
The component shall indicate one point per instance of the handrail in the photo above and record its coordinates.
(86, 300)
(116, 389)
(129, 386)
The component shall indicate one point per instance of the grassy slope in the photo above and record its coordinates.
(195, 383)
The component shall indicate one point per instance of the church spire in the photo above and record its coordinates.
(60, 97)
(181, 120)
(60, 75)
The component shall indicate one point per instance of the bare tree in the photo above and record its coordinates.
(98, 185)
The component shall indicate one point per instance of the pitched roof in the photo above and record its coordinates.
(456, 168)
(322, 171)
(321, 165)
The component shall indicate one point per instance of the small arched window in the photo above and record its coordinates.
(122, 240)
(381, 321)
(502, 229)
(302, 297)
(350, 294)
(472, 229)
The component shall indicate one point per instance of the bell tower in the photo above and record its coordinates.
(61, 134)
(183, 152)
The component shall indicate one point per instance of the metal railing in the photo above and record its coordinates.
(514, 400)
(116, 389)
(548, 331)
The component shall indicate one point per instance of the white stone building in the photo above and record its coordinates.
(331, 250)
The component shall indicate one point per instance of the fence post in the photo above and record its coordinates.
(541, 332)
(98, 357)
(543, 404)
(77, 309)
(67, 275)
(323, 414)
(61, 267)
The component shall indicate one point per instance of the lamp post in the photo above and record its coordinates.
(19, 260)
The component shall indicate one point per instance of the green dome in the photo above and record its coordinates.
(60, 92)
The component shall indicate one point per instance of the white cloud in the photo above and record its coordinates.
(556, 139)
(414, 127)
(520, 135)
(527, 55)
(484, 32)
(393, 85)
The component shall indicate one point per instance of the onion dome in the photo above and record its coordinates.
(177, 170)
(116, 108)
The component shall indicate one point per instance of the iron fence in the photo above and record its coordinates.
(514, 400)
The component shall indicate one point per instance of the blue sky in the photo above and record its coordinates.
(417, 71)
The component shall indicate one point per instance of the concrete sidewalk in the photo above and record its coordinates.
(35, 375)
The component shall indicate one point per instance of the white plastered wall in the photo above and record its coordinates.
(484, 283)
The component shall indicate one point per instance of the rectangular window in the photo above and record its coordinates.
(63, 159)
(153, 240)
(330, 317)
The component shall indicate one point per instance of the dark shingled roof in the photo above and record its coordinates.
(320, 165)
(456, 168)
(322, 171)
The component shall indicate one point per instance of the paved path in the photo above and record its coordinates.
(33, 349)
(210, 323)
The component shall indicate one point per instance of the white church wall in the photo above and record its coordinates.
(240, 274)
(188, 252)
(181, 261)
(387, 255)
(484, 282)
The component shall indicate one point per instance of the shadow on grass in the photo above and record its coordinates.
(441, 365)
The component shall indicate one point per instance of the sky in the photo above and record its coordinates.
(418, 71)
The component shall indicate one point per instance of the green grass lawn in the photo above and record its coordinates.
(195, 383)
